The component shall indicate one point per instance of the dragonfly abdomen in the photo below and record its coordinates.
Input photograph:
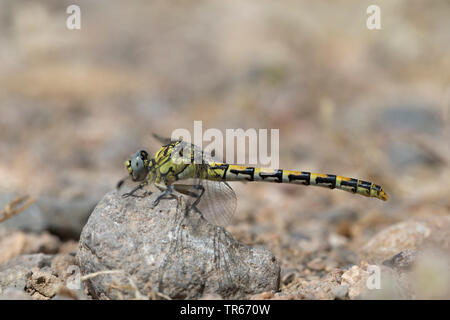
(242, 173)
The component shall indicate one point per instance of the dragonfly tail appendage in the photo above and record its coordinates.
(242, 173)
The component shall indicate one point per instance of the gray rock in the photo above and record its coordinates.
(167, 251)
(414, 117)
(29, 261)
(415, 234)
(43, 282)
(288, 275)
(41, 276)
(403, 260)
(14, 294)
(404, 155)
(30, 219)
(66, 217)
(15, 277)
(340, 292)
(63, 217)
(338, 214)
(14, 273)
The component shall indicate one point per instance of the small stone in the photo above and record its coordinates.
(67, 216)
(211, 296)
(70, 246)
(14, 294)
(288, 277)
(403, 155)
(316, 264)
(64, 215)
(415, 234)
(355, 279)
(44, 283)
(262, 296)
(403, 260)
(63, 265)
(37, 296)
(335, 240)
(340, 292)
(408, 116)
(15, 243)
(16, 271)
(64, 293)
(31, 219)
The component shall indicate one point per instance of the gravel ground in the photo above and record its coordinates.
(367, 104)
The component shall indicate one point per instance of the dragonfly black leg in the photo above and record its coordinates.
(199, 197)
(188, 190)
(132, 192)
(167, 192)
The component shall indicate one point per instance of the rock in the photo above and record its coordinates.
(16, 271)
(210, 296)
(63, 217)
(340, 292)
(167, 250)
(429, 276)
(66, 217)
(70, 246)
(28, 261)
(338, 214)
(316, 264)
(31, 219)
(304, 287)
(13, 294)
(336, 240)
(403, 155)
(355, 280)
(262, 296)
(43, 276)
(417, 234)
(61, 264)
(43, 282)
(409, 275)
(377, 282)
(15, 243)
(402, 260)
(372, 282)
(287, 276)
(410, 117)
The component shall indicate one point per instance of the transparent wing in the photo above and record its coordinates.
(218, 202)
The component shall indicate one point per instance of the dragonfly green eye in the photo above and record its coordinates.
(137, 166)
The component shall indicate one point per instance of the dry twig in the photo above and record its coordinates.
(11, 209)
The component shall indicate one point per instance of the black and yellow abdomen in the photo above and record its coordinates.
(331, 181)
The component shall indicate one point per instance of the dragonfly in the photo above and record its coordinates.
(187, 169)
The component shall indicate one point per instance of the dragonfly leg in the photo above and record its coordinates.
(187, 190)
(166, 191)
(138, 187)
(197, 200)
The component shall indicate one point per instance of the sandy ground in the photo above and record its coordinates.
(346, 100)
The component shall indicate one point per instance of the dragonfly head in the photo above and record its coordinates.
(137, 166)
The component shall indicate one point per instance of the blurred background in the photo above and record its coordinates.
(369, 104)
